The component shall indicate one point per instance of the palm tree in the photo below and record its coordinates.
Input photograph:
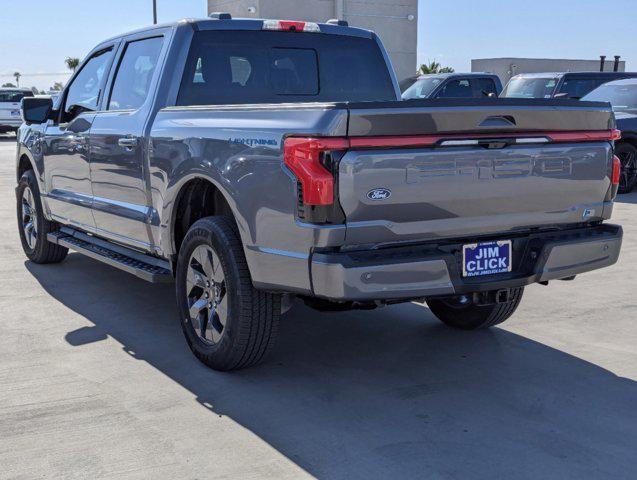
(434, 67)
(72, 63)
(17, 76)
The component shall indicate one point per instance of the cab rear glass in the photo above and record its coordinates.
(238, 67)
(13, 96)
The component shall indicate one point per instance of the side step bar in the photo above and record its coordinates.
(143, 266)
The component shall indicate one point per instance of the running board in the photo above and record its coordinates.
(144, 266)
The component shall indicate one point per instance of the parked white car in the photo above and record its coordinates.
(10, 98)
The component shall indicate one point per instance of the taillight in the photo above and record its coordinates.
(303, 157)
(291, 26)
(617, 170)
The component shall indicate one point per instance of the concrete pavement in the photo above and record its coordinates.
(97, 382)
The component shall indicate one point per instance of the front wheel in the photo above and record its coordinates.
(33, 226)
(462, 312)
(228, 323)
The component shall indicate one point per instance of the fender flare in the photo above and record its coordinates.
(174, 194)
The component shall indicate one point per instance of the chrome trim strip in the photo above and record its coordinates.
(284, 253)
(532, 140)
(458, 143)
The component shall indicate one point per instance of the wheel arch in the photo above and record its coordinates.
(199, 196)
(24, 164)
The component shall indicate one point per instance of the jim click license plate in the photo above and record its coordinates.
(486, 258)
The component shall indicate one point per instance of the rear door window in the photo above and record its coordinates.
(235, 67)
(134, 74)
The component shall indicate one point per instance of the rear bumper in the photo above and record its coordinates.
(435, 269)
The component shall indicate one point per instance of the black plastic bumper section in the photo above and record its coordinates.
(436, 269)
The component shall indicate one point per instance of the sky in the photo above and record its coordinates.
(37, 35)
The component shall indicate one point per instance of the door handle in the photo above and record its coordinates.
(127, 142)
(76, 138)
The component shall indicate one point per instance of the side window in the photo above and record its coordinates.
(134, 74)
(577, 87)
(84, 93)
(484, 87)
(460, 88)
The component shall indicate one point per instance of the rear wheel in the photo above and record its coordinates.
(627, 154)
(33, 226)
(463, 312)
(228, 323)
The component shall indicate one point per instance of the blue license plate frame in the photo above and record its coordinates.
(487, 258)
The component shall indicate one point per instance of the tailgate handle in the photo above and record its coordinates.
(498, 121)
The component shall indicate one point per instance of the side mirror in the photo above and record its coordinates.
(36, 109)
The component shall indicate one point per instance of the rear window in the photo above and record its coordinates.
(530, 87)
(577, 87)
(13, 96)
(276, 67)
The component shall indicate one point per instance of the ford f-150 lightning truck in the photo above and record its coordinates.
(258, 161)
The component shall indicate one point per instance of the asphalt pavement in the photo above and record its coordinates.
(96, 381)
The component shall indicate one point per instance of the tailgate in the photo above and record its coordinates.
(422, 172)
(9, 111)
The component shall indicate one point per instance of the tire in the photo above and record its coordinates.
(467, 316)
(34, 237)
(627, 153)
(238, 326)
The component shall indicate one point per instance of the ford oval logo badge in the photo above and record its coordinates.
(379, 194)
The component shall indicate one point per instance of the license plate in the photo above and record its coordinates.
(15, 113)
(486, 258)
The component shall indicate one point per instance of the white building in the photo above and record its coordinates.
(395, 21)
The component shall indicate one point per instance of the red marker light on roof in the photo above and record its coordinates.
(291, 26)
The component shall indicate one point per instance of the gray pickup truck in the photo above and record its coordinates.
(258, 161)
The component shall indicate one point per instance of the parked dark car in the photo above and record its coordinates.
(559, 85)
(454, 85)
(622, 95)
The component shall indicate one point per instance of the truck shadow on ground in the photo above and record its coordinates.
(381, 394)
(627, 197)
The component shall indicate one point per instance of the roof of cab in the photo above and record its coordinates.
(623, 81)
(456, 74)
(241, 24)
(574, 74)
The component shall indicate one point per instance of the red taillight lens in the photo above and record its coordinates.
(303, 157)
(617, 170)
